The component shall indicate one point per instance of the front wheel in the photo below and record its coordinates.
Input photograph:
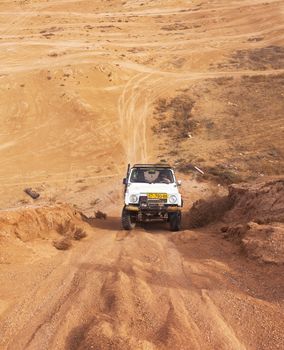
(175, 221)
(127, 221)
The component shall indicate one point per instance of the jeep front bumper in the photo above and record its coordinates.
(164, 208)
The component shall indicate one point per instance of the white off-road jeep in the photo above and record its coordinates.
(151, 194)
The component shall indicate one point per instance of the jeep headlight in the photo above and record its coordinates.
(133, 198)
(173, 199)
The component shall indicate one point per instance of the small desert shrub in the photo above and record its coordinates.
(184, 167)
(79, 234)
(62, 244)
(222, 175)
(65, 228)
(70, 231)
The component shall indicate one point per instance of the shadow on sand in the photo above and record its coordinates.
(112, 223)
(109, 224)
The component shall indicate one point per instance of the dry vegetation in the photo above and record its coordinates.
(270, 57)
(174, 118)
(71, 231)
(173, 122)
(233, 131)
(63, 243)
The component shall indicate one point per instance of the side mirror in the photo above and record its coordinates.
(179, 182)
(124, 181)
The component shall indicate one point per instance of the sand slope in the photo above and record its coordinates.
(85, 88)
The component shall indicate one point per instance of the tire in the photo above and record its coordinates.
(175, 221)
(126, 220)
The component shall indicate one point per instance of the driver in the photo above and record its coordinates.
(151, 176)
(164, 177)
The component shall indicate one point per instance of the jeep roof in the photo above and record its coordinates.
(166, 166)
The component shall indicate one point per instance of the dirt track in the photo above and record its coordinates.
(79, 81)
(149, 290)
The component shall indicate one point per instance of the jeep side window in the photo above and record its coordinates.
(137, 175)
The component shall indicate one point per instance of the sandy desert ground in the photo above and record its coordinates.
(85, 88)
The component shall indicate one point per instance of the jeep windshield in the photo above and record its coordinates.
(151, 175)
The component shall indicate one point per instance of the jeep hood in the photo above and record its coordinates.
(140, 188)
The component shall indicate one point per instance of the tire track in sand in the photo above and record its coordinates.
(133, 110)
